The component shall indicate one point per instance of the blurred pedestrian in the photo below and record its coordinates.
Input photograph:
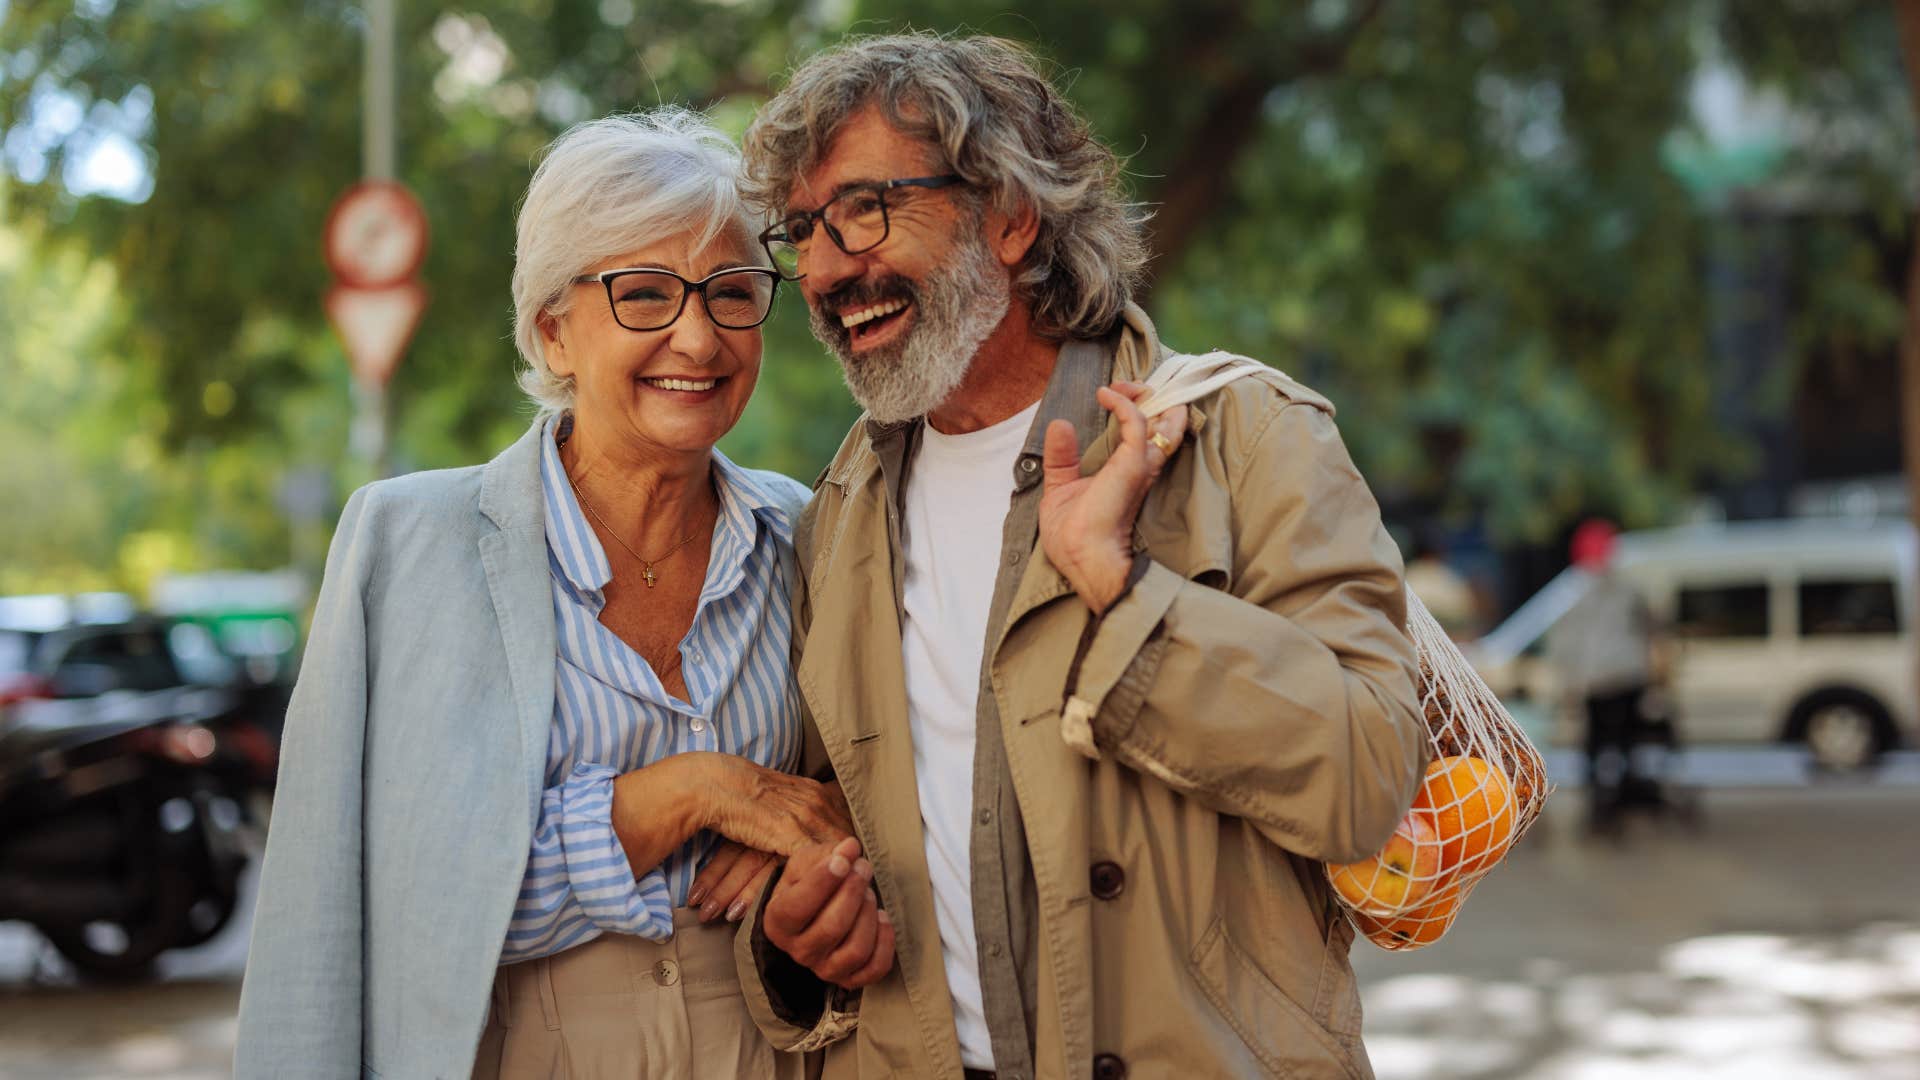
(1602, 651)
(538, 691)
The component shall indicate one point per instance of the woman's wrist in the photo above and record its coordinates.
(666, 796)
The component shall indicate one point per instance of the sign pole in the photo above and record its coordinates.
(378, 151)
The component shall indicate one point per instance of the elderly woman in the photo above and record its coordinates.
(537, 692)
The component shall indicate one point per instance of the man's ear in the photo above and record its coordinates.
(557, 359)
(1011, 236)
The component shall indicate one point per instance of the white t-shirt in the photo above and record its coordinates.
(956, 505)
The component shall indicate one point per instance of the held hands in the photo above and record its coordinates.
(825, 914)
(1086, 522)
(736, 873)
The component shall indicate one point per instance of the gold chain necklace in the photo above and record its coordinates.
(646, 564)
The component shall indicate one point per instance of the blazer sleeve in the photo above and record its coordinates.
(301, 998)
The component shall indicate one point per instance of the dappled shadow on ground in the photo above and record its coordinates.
(1722, 1006)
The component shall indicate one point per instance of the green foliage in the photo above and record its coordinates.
(1474, 225)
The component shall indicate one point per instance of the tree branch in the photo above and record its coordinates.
(1195, 189)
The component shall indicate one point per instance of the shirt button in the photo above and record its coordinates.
(666, 973)
(698, 724)
(993, 949)
(1027, 465)
(694, 655)
(1014, 557)
(986, 817)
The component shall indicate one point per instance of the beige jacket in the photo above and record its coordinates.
(1252, 705)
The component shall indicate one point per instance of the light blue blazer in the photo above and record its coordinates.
(410, 779)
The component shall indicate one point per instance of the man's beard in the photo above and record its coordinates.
(954, 310)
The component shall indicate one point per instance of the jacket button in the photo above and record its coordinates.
(1109, 1067)
(1107, 881)
(666, 973)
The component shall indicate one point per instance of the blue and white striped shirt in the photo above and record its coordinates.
(611, 714)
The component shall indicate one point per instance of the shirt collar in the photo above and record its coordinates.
(576, 556)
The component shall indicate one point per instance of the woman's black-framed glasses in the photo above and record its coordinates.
(855, 219)
(648, 298)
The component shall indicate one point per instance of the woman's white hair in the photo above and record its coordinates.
(606, 187)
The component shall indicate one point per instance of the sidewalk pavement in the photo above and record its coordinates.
(1779, 938)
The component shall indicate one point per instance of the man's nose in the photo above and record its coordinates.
(827, 267)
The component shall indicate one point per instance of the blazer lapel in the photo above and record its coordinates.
(515, 558)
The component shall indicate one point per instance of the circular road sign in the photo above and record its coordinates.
(376, 235)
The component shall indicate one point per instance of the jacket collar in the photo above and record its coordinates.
(515, 560)
(510, 492)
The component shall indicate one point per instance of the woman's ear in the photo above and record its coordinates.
(555, 349)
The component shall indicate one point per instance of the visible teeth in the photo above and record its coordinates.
(683, 384)
(853, 319)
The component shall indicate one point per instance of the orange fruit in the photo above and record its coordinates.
(1472, 804)
(1421, 926)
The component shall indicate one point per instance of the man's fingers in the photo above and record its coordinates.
(880, 962)
(1171, 426)
(1060, 455)
(857, 947)
(829, 928)
(1133, 423)
(813, 877)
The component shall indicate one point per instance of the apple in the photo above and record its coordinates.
(1400, 875)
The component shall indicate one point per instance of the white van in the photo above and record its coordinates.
(1794, 630)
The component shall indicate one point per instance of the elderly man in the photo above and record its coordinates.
(1093, 779)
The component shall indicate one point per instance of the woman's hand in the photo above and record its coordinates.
(766, 809)
(1086, 522)
(736, 873)
(731, 879)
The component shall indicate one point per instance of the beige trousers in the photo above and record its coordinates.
(620, 1006)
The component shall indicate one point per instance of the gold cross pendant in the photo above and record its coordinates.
(647, 575)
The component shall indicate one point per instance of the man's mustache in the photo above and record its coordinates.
(859, 294)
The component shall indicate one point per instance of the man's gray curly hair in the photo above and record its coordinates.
(1001, 126)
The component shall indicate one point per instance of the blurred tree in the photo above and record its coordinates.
(1464, 221)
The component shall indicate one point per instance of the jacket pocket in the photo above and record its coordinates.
(1337, 1002)
(1282, 1035)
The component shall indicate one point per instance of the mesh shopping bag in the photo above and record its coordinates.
(1485, 787)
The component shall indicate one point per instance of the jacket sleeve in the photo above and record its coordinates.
(301, 998)
(794, 1010)
(1285, 697)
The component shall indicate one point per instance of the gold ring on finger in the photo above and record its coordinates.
(1165, 444)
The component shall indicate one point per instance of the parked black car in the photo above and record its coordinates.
(130, 794)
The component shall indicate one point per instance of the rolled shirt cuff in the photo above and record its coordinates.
(604, 885)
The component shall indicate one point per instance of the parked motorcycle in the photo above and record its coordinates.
(123, 833)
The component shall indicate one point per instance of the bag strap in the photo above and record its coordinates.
(1183, 377)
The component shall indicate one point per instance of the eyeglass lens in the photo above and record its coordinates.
(645, 300)
(857, 219)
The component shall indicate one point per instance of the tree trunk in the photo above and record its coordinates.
(1907, 12)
